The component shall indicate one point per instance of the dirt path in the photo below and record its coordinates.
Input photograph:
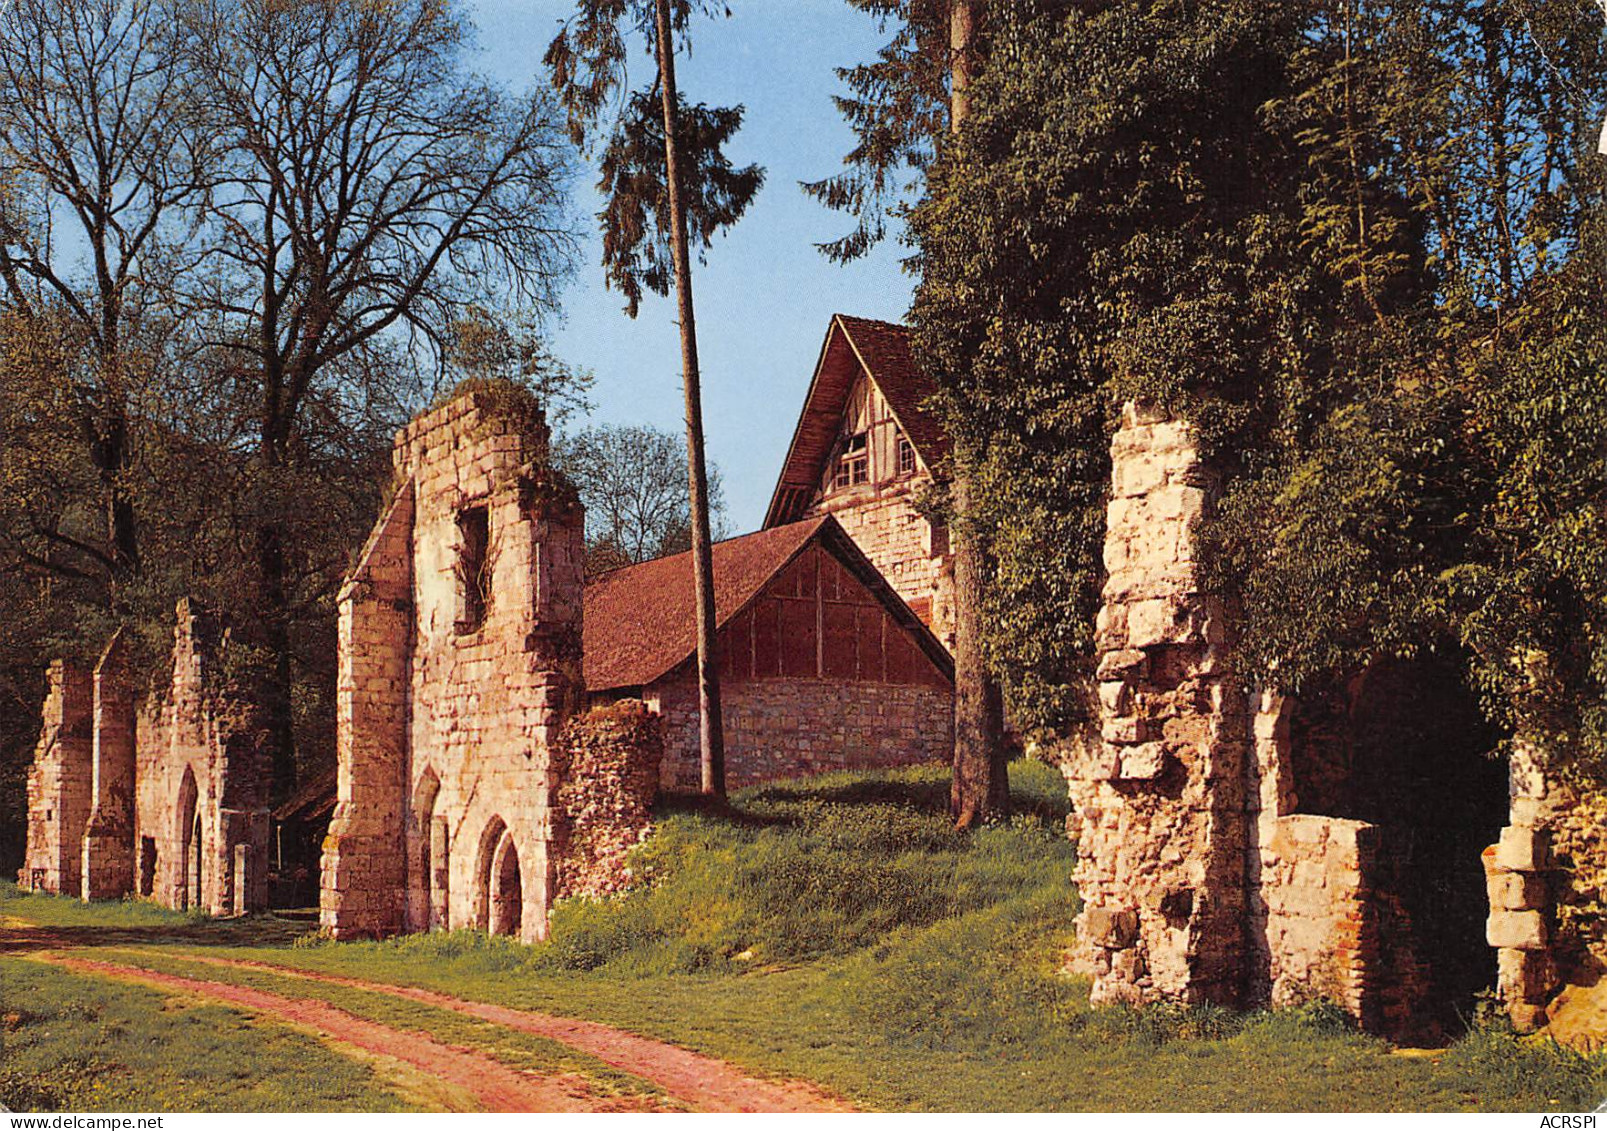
(493, 1085)
(701, 1081)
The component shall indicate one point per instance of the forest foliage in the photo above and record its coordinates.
(1358, 245)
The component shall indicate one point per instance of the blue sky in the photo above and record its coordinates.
(765, 295)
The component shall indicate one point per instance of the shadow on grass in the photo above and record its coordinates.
(43, 922)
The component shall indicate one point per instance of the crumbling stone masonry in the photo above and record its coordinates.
(165, 796)
(203, 779)
(459, 638)
(1243, 848)
(1160, 798)
(1547, 879)
(60, 783)
(607, 769)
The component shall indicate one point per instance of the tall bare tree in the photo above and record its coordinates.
(96, 167)
(370, 189)
(690, 191)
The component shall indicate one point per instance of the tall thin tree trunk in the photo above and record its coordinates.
(712, 731)
(980, 788)
(273, 613)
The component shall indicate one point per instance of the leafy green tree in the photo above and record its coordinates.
(667, 183)
(1353, 244)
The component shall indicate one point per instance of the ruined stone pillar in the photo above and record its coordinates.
(108, 854)
(242, 879)
(1516, 873)
(1160, 798)
(364, 866)
(60, 783)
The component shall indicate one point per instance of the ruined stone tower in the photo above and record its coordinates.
(1243, 847)
(459, 638)
(60, 783)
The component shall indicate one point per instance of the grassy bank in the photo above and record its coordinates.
(837, 930)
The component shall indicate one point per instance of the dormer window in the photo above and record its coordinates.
(906, 457)
(853, 466)
(473, 568)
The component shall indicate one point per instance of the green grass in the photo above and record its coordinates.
(75, 1043)
(523, 1051)
(837, 930)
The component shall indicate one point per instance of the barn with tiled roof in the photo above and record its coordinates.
(822, 665)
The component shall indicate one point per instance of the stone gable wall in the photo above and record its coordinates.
(884, 524)
(448, 713)
(200, 750)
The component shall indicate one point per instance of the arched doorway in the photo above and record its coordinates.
(507, 897)
(188, 834)
(428, 864)
(1405, 748)
(485, 860)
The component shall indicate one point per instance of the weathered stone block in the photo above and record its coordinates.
(1517, 930)
(1128, 664)
(1111, 929)
(1143, 762)
(1522, 849)
(1517, 891)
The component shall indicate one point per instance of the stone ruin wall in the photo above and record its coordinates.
(201, 750)
(1323, 919)
(60, 783)
(1200, 880)
(1547, 883)
(607, 766)
(119, 779)
(1158, 796)
(447, 715)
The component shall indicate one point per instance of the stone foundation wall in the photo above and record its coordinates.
(60, 783)
(608, 768)
(782, 728)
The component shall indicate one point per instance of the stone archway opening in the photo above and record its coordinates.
(1404, 747)
(190, 843)
(488, 856)
(428, 864)
(507, 894)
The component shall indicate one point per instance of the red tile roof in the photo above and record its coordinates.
(639, 621)
(853, 345)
